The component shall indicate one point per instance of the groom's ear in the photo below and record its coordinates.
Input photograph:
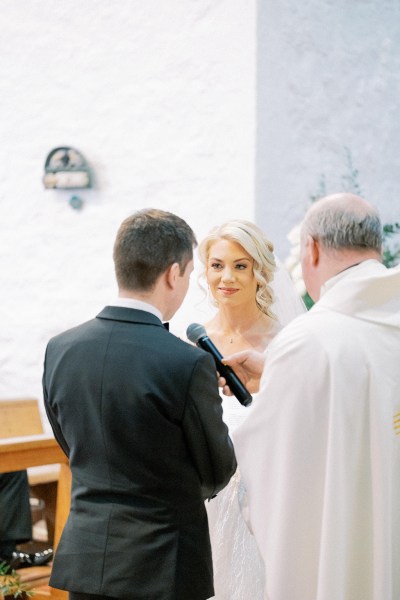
(172, 274)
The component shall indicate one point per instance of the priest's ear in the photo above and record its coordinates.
(313, 249)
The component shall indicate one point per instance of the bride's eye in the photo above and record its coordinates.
(216, 266)
(241, 267)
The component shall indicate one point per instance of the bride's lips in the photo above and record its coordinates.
(227, 291)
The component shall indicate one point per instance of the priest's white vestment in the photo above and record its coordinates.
(320, 452)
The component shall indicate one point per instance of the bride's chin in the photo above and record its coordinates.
(228, 302)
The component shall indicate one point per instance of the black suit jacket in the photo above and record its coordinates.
(138, 412)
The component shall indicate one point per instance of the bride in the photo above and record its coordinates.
(239, 267)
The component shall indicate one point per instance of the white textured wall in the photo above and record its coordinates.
(210, 108)
(328, 78)
(159, 97)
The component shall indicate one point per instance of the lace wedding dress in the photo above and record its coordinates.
(238, 566)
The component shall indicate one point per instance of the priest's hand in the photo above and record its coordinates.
(248, 366)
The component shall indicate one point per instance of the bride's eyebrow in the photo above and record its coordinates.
(242, 260)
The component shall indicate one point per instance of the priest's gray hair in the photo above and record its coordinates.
(344, 221)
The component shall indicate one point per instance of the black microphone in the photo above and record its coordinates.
(197, 334)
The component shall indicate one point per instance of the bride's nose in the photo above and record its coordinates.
(227, 274)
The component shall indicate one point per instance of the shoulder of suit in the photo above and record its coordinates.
(72, 331)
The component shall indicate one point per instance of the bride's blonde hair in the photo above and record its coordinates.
(253, 240)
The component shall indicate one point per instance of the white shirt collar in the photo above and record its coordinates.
(136, 304)
(348, 272)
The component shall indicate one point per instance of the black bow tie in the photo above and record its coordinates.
(166, 325)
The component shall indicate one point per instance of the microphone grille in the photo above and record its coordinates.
(195, 331)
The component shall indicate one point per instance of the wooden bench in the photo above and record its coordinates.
(21, 417)
(33, 449)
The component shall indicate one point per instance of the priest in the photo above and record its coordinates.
(320, 451)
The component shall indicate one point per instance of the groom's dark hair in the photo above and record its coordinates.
(147, 243)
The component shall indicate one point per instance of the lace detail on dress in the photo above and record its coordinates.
(238, 566)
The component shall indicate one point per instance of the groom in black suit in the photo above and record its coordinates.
(138, 412)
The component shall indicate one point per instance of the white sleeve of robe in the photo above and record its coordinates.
(321, 462)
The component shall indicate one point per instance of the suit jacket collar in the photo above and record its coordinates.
(129, 315)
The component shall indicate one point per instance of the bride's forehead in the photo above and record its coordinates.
(230, 249)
